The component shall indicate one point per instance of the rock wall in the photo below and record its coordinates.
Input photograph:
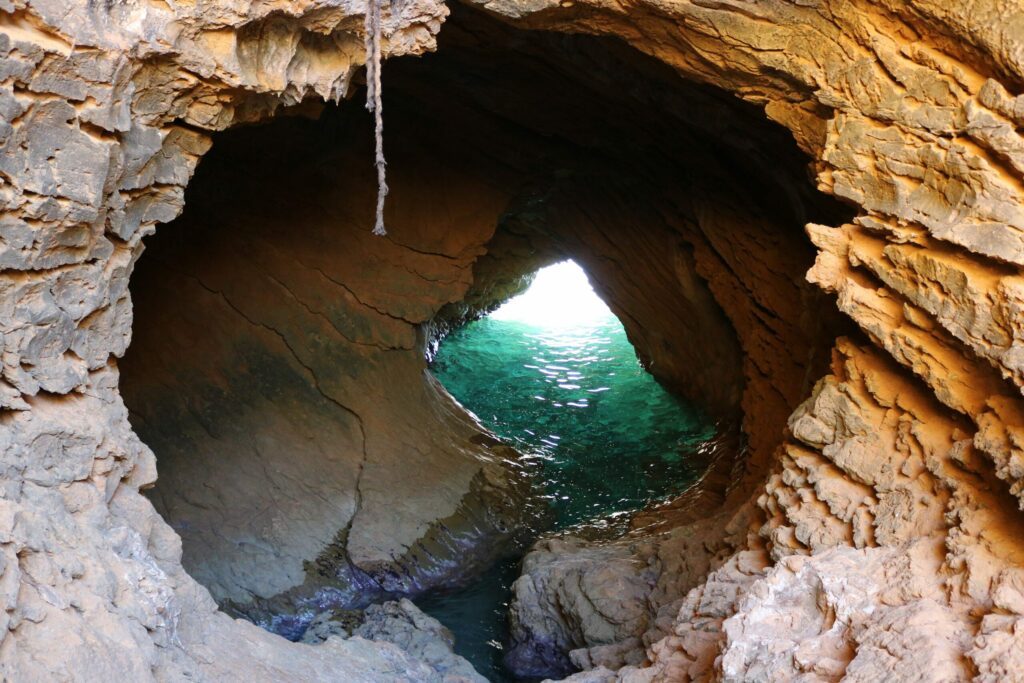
(106, 109)
(277, 369)
(907, 111)
(890, 495)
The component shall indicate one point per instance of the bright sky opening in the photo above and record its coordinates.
(560, 296)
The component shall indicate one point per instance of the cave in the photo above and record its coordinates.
(307, 458)
(228, 443)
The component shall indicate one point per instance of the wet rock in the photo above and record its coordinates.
(338, 622)
(402, 624)
(571, 594)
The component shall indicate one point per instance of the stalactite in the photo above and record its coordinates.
(375, 105)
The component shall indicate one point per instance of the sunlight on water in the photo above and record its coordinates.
(553, 373)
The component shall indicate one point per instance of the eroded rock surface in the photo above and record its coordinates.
(404, 625)
(883, 479)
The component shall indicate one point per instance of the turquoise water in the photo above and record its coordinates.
(572, 395)
(609, 436)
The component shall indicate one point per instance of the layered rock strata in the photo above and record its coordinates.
(906, 110)
(883, 478)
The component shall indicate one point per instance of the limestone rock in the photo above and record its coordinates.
(572, 595)
(844, 614)
(336, 470)
(884, 473)
(402, 624)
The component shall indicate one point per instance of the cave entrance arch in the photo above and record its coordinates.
(306, 457)
(551, 372)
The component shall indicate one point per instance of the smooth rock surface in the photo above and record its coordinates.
(335, 469)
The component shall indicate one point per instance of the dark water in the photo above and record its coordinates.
(572, 395)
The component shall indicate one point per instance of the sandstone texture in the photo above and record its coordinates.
(808, 215)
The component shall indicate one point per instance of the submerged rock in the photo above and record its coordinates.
(400, 623)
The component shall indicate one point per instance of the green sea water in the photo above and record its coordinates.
(572, 396)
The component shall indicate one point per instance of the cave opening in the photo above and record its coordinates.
(552, 372)
(279, 367)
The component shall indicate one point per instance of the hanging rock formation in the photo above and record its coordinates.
(871, 527)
